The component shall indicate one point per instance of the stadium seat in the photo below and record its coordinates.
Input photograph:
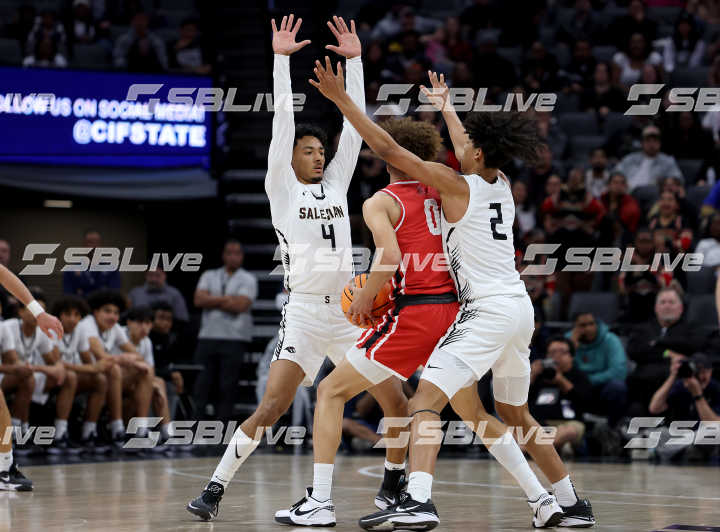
(514, 54)
(664, 14)
(90, 56)
(578, 124)
(604, 53)
(646, 196)
(701, 281)
(583, 145)
(10, 53)
(701, 311)
(690, 169)
(696, 195)
(615, 122)
(603, 305)
(689, 77)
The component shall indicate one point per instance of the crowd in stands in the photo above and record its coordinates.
(106, 34)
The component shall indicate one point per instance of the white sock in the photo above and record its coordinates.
(15, 422)
(60, 428)
(240, 447)
(420, 486)
(394, 467)
(25, 426)
(508, 453)
(117, 428)
(164, 432)
(6, 460)
(564, 491)
(322, 481)
(89, 428)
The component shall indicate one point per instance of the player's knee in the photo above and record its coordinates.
(327, 391)
(100, 382)
(70, 379)
(114, 373)
(397, 406)
(27, 385)
(511, 414)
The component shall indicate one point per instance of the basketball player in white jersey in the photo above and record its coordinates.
(309, 208)
(11, 478)
(494, 326)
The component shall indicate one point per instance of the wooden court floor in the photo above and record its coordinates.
(470, 495)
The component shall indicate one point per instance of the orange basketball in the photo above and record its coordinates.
(381, 303)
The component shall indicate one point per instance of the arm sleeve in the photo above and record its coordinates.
(341, 168)
(617, 363)
(7, 342)
(280, 172)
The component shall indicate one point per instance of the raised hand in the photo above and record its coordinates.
(348, 41)
(283, 41)
(438, 95)
(330, 85)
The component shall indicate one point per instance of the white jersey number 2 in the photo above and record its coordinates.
(432, 216)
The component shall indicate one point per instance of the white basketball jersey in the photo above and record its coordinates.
(312, 222)
(480, 245)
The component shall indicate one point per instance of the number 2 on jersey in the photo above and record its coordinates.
(329, 234)
(497, 220)
(432, 216)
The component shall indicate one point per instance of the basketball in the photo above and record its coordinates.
(381, 304)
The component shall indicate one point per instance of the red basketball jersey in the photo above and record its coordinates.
(424, 268)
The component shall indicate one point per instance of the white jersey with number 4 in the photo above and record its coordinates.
(312, 221)
(480, 245)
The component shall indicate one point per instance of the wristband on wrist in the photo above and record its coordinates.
(35, 308)
(698, 397)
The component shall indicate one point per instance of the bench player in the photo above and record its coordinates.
(495, 323)
(404, 218)
(11, 479)
(309, 211)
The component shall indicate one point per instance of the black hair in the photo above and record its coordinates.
(579, 313)
(233, 240)
(503, 135)
(311, 130)
(140, 313)
(101, 298)
(162, 305)
(38, 293)
(71, 302)
(566, 341)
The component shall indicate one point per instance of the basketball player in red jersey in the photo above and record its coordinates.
(404, 219)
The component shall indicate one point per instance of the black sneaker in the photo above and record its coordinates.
(64, 446)
(208, 504)
(579, 515)
(93, 444)
(14, 480)
(386, 498)
(409, 514)
(120, 441)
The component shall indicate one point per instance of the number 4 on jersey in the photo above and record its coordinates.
(328, 233)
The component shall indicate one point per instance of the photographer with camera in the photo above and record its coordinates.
(688, 394)
(559, 392)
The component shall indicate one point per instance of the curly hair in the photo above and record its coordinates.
(416, 136)
(503, 135)
(101, 298)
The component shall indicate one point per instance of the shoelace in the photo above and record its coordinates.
(298, 504)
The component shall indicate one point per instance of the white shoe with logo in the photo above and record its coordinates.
(546, 511)
(308, 512)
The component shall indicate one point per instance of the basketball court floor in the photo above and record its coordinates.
(150, 495)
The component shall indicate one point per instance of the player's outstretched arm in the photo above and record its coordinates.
(377, 215)
(342, 167)
(441, 177)
(46, 322)
(283, 126)
(439, 97)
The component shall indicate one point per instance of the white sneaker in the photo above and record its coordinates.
(546, 511)
(308, 512)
